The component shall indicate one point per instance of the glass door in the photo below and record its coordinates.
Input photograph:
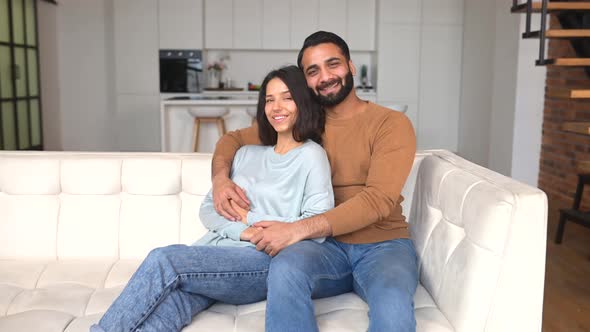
(20, 101)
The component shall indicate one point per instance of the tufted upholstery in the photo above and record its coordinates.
(75, 226)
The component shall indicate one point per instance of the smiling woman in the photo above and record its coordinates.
(310, 117)
(286, 179)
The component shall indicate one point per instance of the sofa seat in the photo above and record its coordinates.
(70, 295)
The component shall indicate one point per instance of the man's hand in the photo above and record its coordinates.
(242, 212)
(249, 232)
(224, 190)
(275, 236)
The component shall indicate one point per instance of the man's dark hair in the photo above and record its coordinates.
(322, 37)
(310, 116)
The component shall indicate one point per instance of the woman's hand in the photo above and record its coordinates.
(249, 232)
(243, 213)
(224, 191)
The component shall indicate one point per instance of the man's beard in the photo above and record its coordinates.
(335, 99)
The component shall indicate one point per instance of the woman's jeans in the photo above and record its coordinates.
(383, 274)
(176, 282)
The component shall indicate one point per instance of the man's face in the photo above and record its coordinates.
(328, 73)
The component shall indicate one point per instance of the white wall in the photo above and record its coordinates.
(477, 78)
(502, 92)
(506, 56)
(528, 118)
(84, 79)
(48, 57)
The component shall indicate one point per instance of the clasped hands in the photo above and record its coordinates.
(269, 236)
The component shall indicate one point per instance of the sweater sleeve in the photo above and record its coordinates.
(318, 196)
(212, 220)
(392, 157)
(228, 144)
(218, 224)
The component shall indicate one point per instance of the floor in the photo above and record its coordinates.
(567, 279)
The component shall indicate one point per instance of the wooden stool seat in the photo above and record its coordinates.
(207, 115)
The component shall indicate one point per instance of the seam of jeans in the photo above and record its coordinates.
(331, 276)
(222, 274)
(152, 306)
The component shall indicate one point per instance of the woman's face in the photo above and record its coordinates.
(280, 108)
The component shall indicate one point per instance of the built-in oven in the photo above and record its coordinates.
(180, 71)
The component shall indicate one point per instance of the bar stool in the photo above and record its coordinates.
(574, 214)
(398, 107)
(207, 115)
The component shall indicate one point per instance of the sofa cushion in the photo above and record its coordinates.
(71, 295)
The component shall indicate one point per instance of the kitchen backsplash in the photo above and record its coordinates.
(251, 66)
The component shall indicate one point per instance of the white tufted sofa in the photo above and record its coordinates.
(74, 227)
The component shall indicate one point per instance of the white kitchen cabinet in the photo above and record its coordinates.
(400, 11)
(284, 24)
(304, 20)
(138, 122)
(219, 24)
(398, 62)
(332, 17)
(275, 24)
(443, 12)
(440, 82)
(136, 46)
(360, 24)
(181, 24)
(247, 33)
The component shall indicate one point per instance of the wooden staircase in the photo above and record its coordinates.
(545, 7)
(552, 6)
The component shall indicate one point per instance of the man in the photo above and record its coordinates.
(371, 151)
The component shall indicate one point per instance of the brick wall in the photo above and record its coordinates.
(561, 150)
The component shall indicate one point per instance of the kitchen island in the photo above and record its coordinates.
(176, 121)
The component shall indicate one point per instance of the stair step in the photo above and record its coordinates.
(576, 93)
(576, 127)
(553, 6)
(573, 62)
(580, 93)
(567, 33)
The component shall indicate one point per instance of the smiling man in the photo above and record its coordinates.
(371, 150)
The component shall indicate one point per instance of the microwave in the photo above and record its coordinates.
(181, 71)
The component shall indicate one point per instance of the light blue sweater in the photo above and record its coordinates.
(285, 188)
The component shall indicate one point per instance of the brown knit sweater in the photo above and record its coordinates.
(371, 155)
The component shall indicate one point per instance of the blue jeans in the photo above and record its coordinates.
(383, 274)
(176, 282)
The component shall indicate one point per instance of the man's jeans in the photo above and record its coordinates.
(176, 282)
(383, 274)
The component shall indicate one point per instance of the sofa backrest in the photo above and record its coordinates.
(56, 205)
(67, 205)
(481, 240)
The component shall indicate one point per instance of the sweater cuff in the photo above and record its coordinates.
(254, 217)
(332, 216)
(234, 231)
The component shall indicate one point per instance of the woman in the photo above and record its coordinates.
(287, 178)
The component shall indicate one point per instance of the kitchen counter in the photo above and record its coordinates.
(176, 123)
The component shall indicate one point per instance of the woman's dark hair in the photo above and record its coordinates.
(310, 115)
(322, 37)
